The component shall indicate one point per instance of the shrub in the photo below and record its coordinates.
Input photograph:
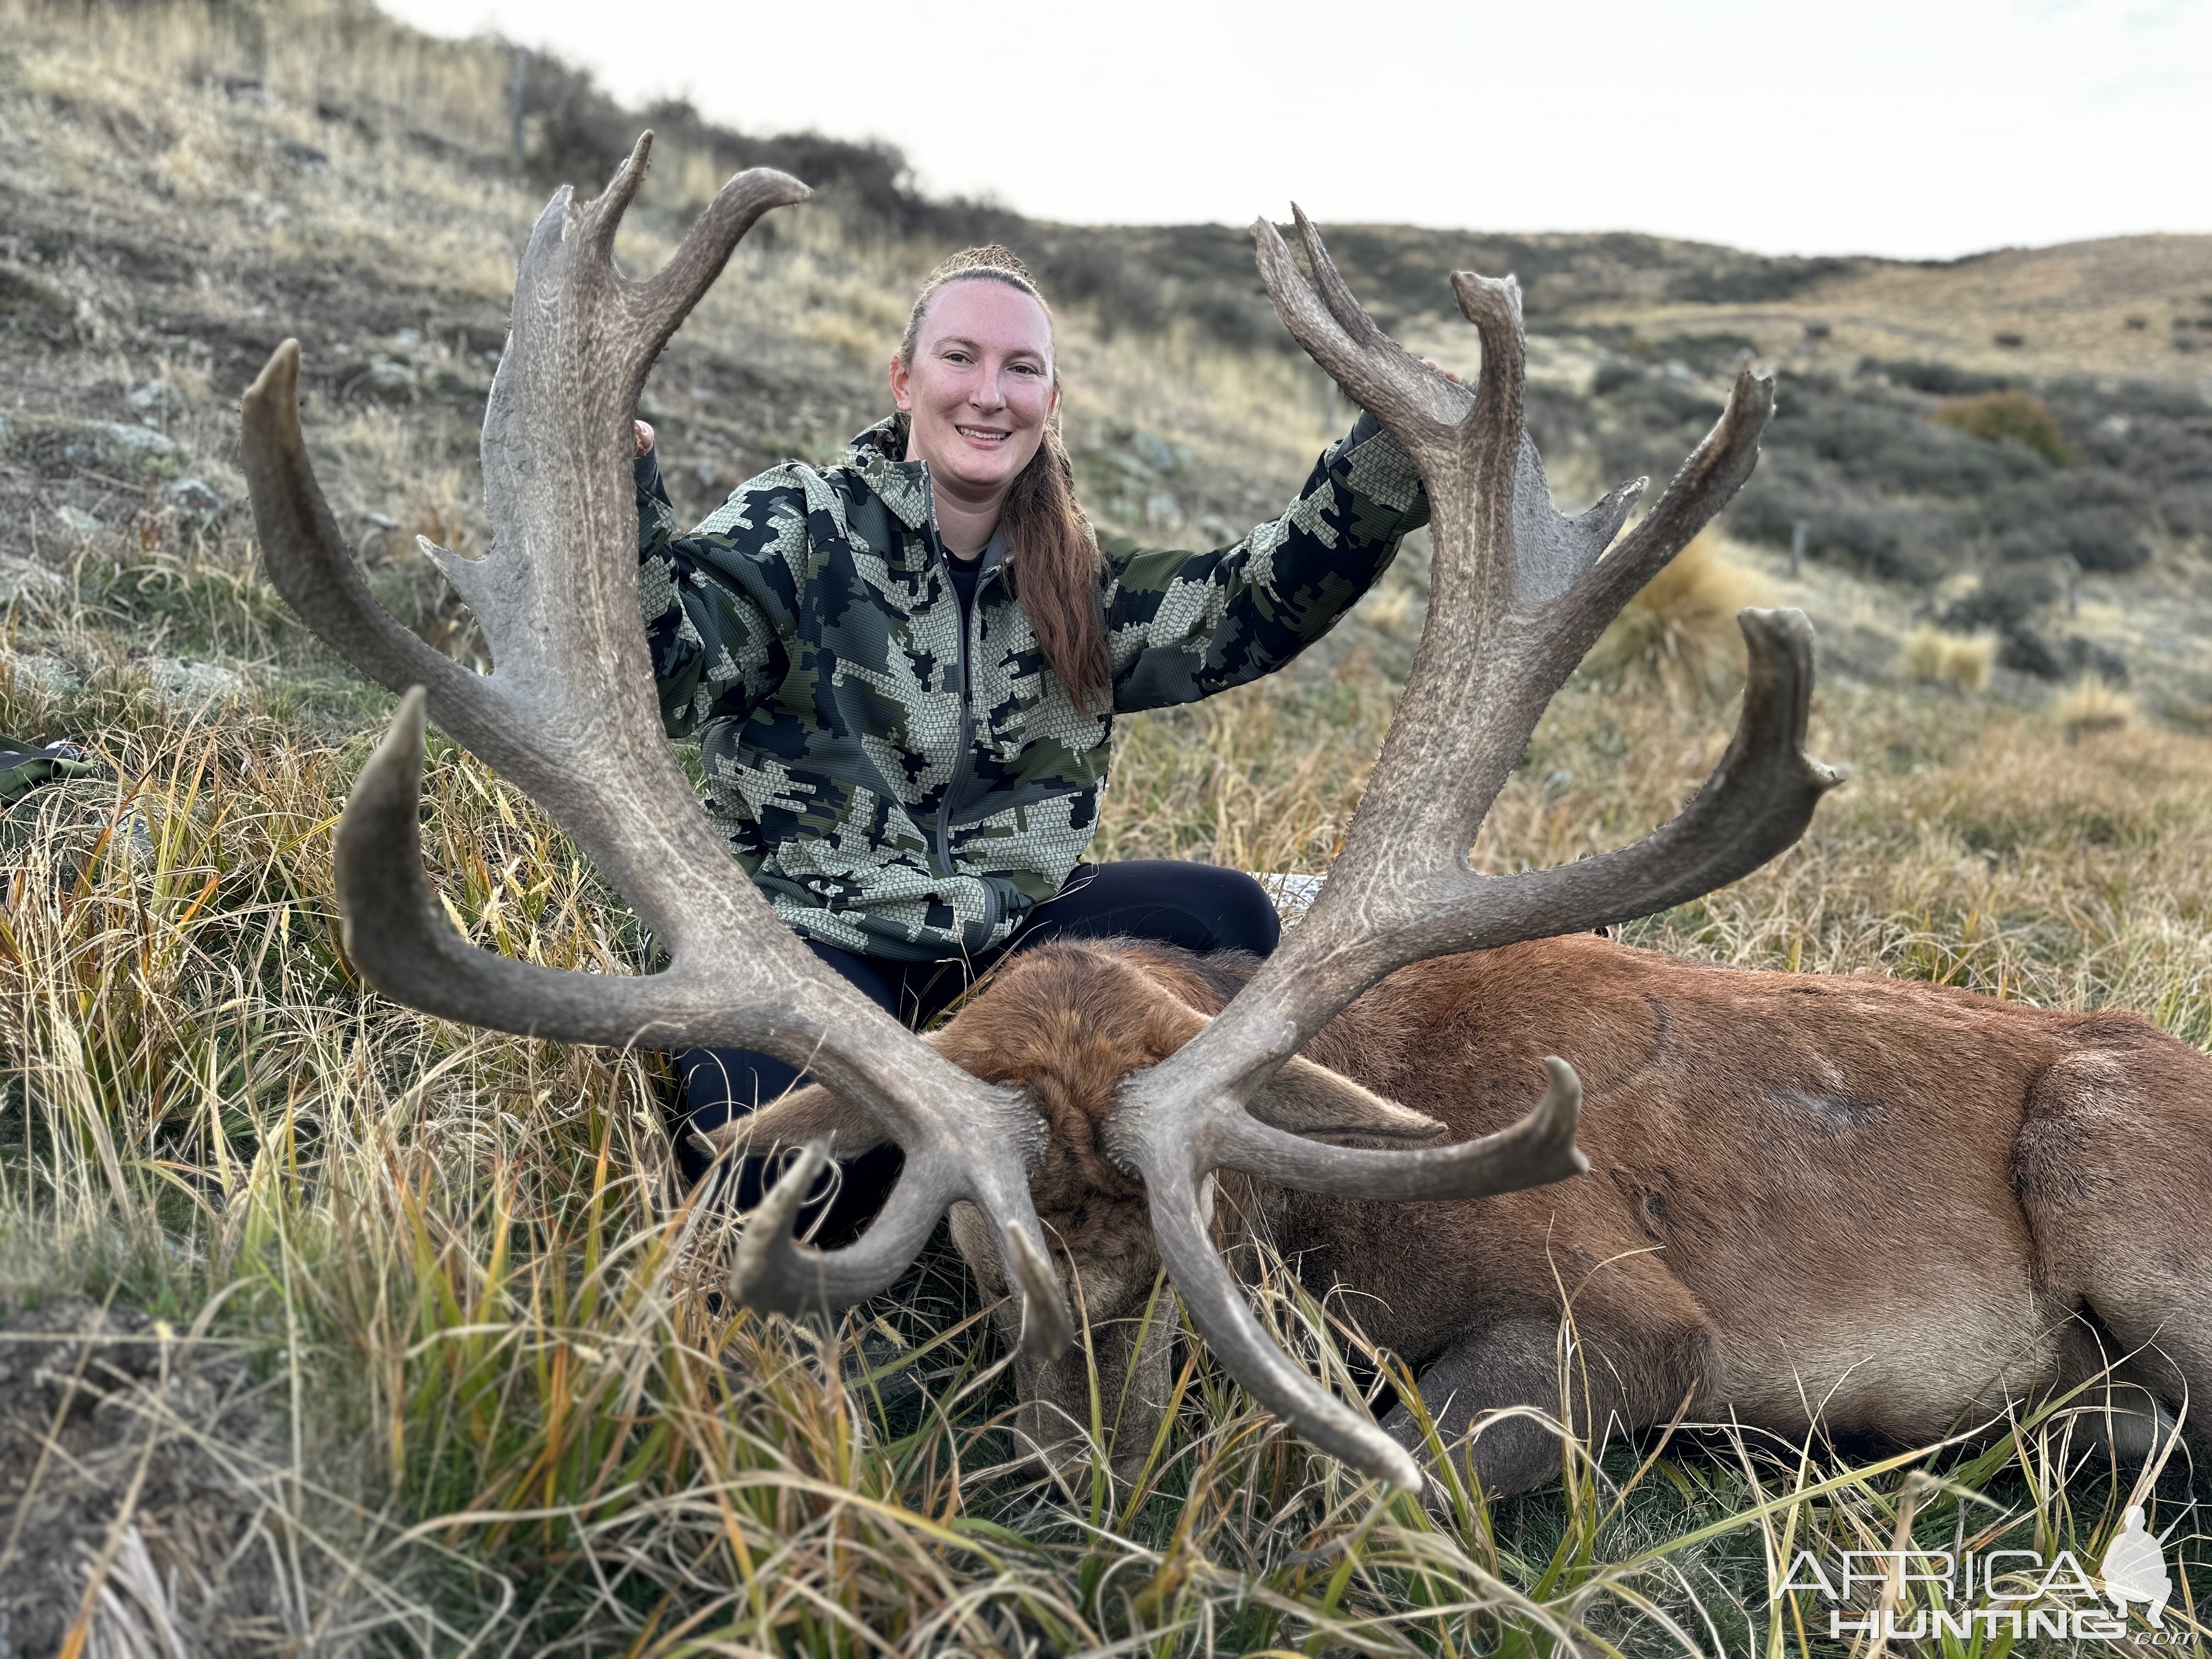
(2091, 705)
(2010, 416)
(1933, 657)
(1941, 379)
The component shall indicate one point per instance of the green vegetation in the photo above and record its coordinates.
(406, 1338)
(2012, 417)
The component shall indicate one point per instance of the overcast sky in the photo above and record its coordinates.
(1913, 127)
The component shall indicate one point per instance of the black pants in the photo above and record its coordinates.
(1200, 906)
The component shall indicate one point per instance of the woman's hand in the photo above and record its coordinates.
(1431, 361)
(645, 434)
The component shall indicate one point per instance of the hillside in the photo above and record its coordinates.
(185, 187)
(326, 1327)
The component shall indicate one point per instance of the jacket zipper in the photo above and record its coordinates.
(962, 758)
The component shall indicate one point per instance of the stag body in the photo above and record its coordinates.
(1892, 1205)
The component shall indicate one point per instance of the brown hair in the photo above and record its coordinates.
(1053, 562)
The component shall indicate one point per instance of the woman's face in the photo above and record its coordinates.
(980, 389)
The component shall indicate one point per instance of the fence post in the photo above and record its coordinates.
(521, 81)
(1800, 533)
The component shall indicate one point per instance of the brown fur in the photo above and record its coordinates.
(1891, 1206)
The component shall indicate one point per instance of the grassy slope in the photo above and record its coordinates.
(409, 1274)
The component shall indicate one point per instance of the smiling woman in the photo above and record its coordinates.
(903, 672)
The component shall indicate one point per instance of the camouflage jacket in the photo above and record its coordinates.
(904, 786)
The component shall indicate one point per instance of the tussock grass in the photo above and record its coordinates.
(1932, 657)
(2092, 706)
(1679, 635)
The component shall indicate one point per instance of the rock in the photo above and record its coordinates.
(1156, 452)
(56, 444)
(195, 685)
(21, 576)
(407, 339)
(192, 498)
(391, 379)
(156, 397)
(53, 677)
(76, 518)
(1292, 894)
(139, 441)
(1162, 511)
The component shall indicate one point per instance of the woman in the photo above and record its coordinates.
(903, 672)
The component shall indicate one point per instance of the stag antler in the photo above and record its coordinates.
(567, 712)
(1517, 594)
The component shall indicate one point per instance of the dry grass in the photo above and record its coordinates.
(467, 1263)
(2092, 707)
(1679, 635)
(1932, 657)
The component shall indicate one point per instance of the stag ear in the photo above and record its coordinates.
(1307, 1099)
(805, 1115)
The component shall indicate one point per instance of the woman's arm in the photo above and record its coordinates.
(712, 607)
(1182, 626)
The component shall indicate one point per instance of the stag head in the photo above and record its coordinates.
(1518, 594)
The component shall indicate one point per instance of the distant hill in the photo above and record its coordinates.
(183, 185)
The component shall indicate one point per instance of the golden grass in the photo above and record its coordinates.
(1933, 657)
(1679, 633)
(2092, 707)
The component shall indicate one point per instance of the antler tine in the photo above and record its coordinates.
(568, 713)
(1415, 402)
(1216, 1304)
(776, 1273)
(1538, 1150)
(303, 552)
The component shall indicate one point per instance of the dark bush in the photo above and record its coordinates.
(1709, 354)
(2187, 512)
(1881, 543)
(2095, 538)
(1764, 513)
(2160, 450)
(31, 310)
(1613, 374)
(2023, 504)
(2002, 599)
(2100, 487)
(1756, 284)
(2102, 539)
(1941, 378)
(2087, 657)
(2027, 652)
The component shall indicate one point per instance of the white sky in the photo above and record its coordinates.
(1912, 128)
